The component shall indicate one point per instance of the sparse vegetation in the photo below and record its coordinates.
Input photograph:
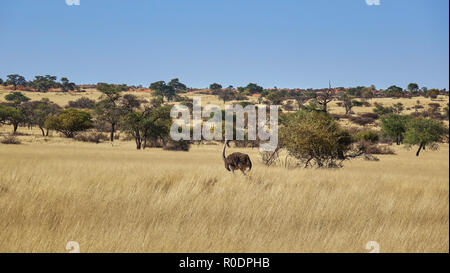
(159, 188)
(11, 139)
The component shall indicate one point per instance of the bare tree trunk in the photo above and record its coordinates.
(15, 125)
(307, 162)
(420, 148)
(138, 140)
(42, 130)
(113, 127)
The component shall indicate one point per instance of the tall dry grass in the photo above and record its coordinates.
(117, 199)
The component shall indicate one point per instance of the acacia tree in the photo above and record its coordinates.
(215, 87)
(275, 98)
(69, 122)
(299, 97)
(11, 115)
(156, 125)
(315, 137)
(347, 102)
(177, 86)
(163, 90)
(44, 83)
(253, 88)
(148, 125)
(226, 94)
(132, 124)
(15, 80)
(129, 103)
(398, 108)
(413, 87)
(40, 111)
(108, 108)
(394, 91)
(66, 85)
(394, 127)
(425, 133)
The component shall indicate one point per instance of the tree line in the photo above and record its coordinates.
(147, 122)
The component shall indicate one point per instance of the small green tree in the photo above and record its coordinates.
(315, 137)
(413, 87)
(66, 85)
(398, 108)
(129, 103)
(425, 133)
(432, 93)
(69, 122)
(131, 123)
(394, 126)
(17, 98)
(253, 88)
(108, 108)
(157, 101)
(12, 116)
(381, 110)
(215, 87)
(275, 98)
(163, 90)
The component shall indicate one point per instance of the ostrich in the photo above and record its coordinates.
(236, 161)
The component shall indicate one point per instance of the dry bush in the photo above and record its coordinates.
(82, 103)
(366, 104)
(269, 158)
(370, 115)
(368, 135)
(339, 116)
(374, 149)
(10, 139)
(181, 145)
(384, 140)
(94, 137)
(362, 120)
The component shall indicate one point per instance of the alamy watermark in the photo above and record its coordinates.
(373, 246)
(211, 129)
(373, 2)
(73, 2)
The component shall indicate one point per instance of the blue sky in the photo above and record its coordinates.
(283, 43)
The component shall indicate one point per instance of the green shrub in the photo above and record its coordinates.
(315, 138)
(69, 122)
(368, 135)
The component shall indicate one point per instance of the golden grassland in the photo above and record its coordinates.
(113, 198)
(117, 199)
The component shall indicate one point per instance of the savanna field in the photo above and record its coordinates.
(114, 198)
